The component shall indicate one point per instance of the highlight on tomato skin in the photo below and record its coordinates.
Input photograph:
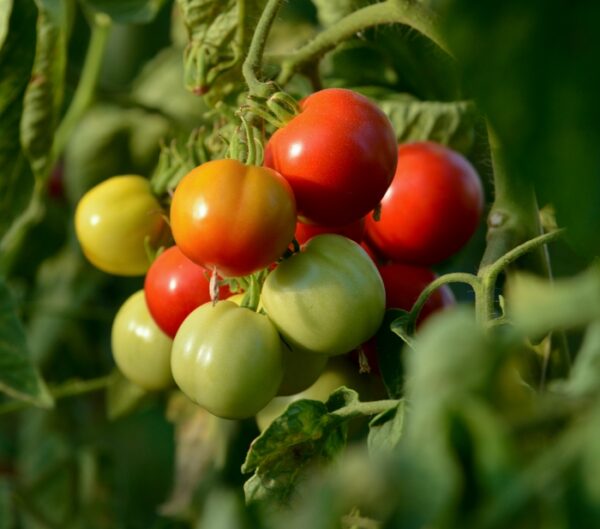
(431, 209)
(338, 154)
(232, 217)
(354, 230)
(174, 287)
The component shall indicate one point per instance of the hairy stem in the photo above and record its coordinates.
(408, 12)
(253, 63)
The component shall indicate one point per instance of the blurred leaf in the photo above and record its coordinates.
(19, 377)
(385, 431)
(7, 518)
(538, 306)
(390, 340)
(109, 141)
(201, 446)
(5, 10)
(16, 60)
(304, 436)
(159, 86)
(224, 510)
(584, 376)
(45, 91)
(126, 11)
(532, 67)
(122, 397)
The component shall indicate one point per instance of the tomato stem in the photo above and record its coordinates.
(251, 68)
(360, 409)
(407, 12)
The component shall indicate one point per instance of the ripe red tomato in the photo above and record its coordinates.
(234, 217)
(355, 230)
(174, 287)
(404, 284)
(338, 154)
(431, 209)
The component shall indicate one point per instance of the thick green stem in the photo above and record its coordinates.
(71, 388)
(408, 12)
(253, 63)
(87, 84)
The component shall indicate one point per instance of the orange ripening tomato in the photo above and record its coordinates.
(233, 217)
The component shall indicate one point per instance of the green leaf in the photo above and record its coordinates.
(538, 306)
(126, 11)
(19, 378)
(16, 60)
(45, 91)
(385, 431)
(122, 397)
(584, 376)
(5, 10)
(391, 337)
(452, 124)
(304, 436)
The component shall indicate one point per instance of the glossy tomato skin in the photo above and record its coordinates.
(338, 154)
(355, 231)
(431, 209)
(327, 299)
(174, 287)
(112, 221)
(141, 350)
(404, 284)
(234, 217)
(228, 359)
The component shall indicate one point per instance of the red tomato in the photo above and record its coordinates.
(432, 207)
(234, 217)
(355, 230)
(338, 154)
(174, 287)
(404, 284)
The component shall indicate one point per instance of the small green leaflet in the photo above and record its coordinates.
(385, 431)
(19, 378)
(391, 339)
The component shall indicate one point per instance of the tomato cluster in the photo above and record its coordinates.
(233, 226)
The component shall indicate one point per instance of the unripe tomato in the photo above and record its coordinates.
(355, 230)
(228, 359)
(300, 368)
(112, 221)
(339, 155)
(174, 287)
(234, 217)
(432, 207)
(327, 299)
(141, 350)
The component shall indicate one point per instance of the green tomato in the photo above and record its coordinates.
(300, 368)
(228, 359)
(327, 299)
(141, 350)
(112, 221)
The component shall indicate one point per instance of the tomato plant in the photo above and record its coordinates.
(115, 219)
(328, 298)
(141, 350)
(232, 217)
(174, 287)
(228, 359)
(338, 154)
(432, 207)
